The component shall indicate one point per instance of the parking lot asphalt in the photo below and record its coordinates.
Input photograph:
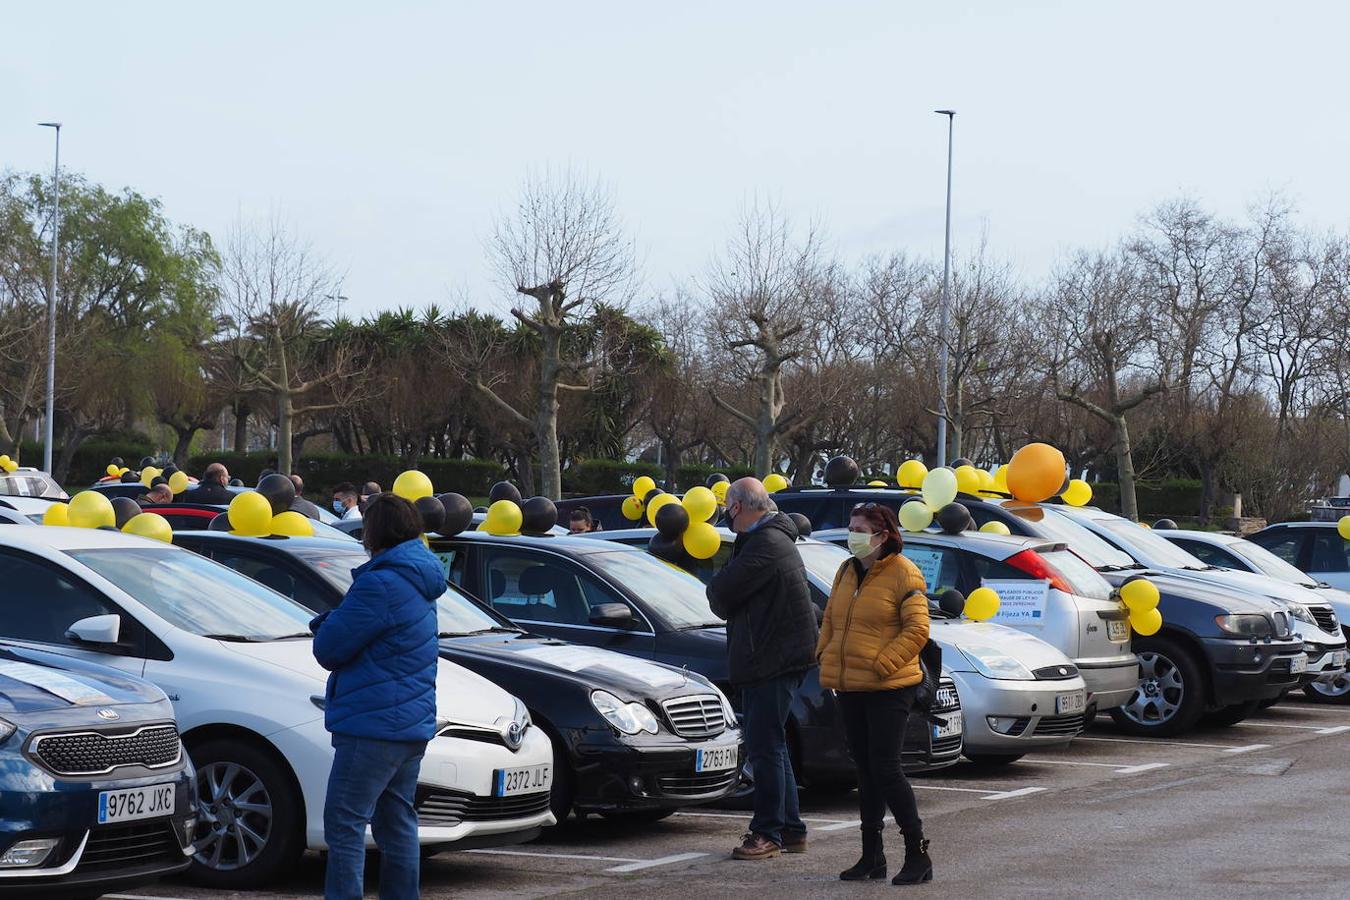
(1244, 811)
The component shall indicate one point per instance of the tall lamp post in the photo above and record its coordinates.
(51, 305)
(946, 303)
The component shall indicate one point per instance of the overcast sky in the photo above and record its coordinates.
(389, 134)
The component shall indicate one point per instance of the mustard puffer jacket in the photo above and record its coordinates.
(872, 633)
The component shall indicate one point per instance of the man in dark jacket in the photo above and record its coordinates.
(212, 487)
(771, 643)
(380, 645)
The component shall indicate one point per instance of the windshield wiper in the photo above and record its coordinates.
(288, 637)
(498, 629)
(235, 638)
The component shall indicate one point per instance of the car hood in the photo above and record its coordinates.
(37, 682)
(1270, 589)
(1029, 650)
(1223, 597)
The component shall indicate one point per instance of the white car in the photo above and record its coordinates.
(1326, 663)
(236, 660)
(24, 510)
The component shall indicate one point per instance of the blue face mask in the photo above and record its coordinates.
(338, 507)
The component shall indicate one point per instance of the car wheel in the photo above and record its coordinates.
(638, 816)
(1337, 691)
(1169, 698)
(564, 788)
(994, 759)
(1230, 715)
(250, 817)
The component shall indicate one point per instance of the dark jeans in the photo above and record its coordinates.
(372, 782)
(764, 715)
(874, 723)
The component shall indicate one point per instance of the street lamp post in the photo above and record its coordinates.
(337, 300)
(51, 304)
(946, 303)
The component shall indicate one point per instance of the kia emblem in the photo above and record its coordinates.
(109, 715)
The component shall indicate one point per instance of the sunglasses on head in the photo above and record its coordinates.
(862, 507)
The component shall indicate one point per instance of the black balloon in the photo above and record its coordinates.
(961, 461)
(1165, 524)
(953, 518)
(537, 516)
(952, 602)
(117, 461)
(715, 478)
(671, 550)
(504, 490)
(146, 461)
(169, 470)
(647, 497)
(671, 520)
(123, 509)
(840, 471)
(158, 480)
(279, 492)
(802, 522)
(130, 478)
(458, 513)
(220, 523)
(236, 482)
(432, 512)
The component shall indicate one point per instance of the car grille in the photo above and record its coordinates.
(946, 746)
(946, 698)
(1056, 673)
(696, 717)
(1326, 618)
(125, 847)
(697, 785)
(452, 808)
(1064, 726)
(97, 753)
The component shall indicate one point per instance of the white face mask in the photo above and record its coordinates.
(859, 544)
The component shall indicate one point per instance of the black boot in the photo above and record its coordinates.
(872, 863)
(918, 866)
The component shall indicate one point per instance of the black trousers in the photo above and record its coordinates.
(874, 723)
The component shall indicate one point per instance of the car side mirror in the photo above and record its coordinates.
(96, 630)
(613, 615)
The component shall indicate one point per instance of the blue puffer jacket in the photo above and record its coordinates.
(380, 645)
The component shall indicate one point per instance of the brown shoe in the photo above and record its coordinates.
(794, 843)
(756, 846)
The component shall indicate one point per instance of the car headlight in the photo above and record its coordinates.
(630, 718)
(992, 664)
(1301, 612)
(6, 729)
(1245, 625)
(727, 712)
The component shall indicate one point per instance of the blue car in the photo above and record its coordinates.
(95, 789)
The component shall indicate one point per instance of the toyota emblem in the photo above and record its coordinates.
(514, 735)
(109, 715)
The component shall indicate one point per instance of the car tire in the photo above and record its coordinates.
(1230, 715)
(1337, 692)
(230, 774)
(1170, 697)
(638, 816)
(564, 789)
(994, 759)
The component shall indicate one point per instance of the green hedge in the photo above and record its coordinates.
(92, 458)
(606, 476)
(471, 477)
(1172, 498)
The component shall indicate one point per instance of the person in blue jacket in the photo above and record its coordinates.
(380, 646)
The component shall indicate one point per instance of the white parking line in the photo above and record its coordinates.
(138, 897)
(1144, 767)
(708, 815)
(1152, 742)
(1247, 749)
(618, 859)
(1119, 768)
(1008, 795)
(1320, 729)
(934, 787)
(653, 863)
(1335, 729)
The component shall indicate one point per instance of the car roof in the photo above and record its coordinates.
(1210, 537)
(281, 542)
(558, 542)
(27, 504)
(999, 546)
(61, 537)
(1299, 525)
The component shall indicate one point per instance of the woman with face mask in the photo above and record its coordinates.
(876, 622)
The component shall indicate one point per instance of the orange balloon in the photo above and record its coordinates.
(1036, 473)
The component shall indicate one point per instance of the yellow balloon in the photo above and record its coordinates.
(773, 483)
(178, 482)
(1078, 493)
(250, 514)
(700, 503)
(4, 459)
(1145, 525)
(632, 508)
(11, 466)
(503, 517)
(412, 485)
(642, 485)
(967, 479)
(911, 474)
(987, 485)
(292, 524)
(150, 525)
(1343, 527)
(124, 470)
(701, 540)
(719, 490)
(993, 526)
(876, 483)
(915, 516)
(56, 514)
(1001, 479)
(982, 604)
(149, 474)
(658, 501)
(939, 488)
(112, 470)
(1140, 595)
(1146, 622)
(90, 509)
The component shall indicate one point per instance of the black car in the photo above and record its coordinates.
(95, 789)
(640, 740)
(619, 597)
(1191, 669)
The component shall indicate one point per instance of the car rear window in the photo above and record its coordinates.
(1081, 577)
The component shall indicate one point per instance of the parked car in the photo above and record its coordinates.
(24, 510)
(236, 660)
(26, 481)
(607, 595)
(607, 509)
(631, 739)
(1316, 548)
(95, 789)
(135, 490)
(199, 516)
(1326, 662)
(1018, 693)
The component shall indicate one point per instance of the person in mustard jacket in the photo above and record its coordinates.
(876, 622)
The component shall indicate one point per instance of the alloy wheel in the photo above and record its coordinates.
(1338, 688)
(234, 820)
(1158, 696)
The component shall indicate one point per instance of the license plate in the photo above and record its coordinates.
(1068, 704)
(953, 726)
(151, 802)
(524, 780)
(1299, 664)
(1337, 658)
(1117, 631)
(716, 759)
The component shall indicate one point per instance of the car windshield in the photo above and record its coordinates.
(821, 559)
(1268, 563)
(197, 595)
(677, 596)
(1098, 553)
(456, 614)
(1159, 550)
